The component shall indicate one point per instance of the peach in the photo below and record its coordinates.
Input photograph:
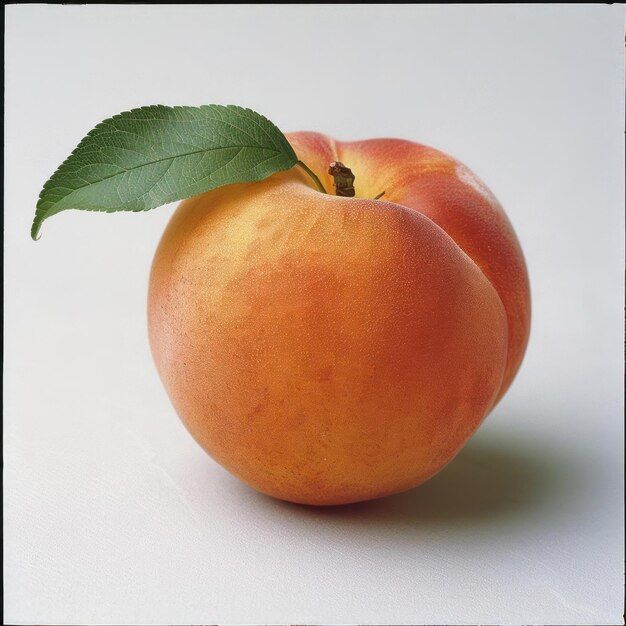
(328, 349)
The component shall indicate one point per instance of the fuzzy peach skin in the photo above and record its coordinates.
(329, 350)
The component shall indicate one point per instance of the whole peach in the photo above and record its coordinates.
(330, 349)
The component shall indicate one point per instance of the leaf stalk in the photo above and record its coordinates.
(312, 174)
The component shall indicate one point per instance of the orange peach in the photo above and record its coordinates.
(329, 349)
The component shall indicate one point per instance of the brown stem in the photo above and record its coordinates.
(344, 179)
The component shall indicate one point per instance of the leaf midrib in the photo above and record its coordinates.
(169, 158)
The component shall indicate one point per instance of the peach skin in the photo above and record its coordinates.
(328, 349)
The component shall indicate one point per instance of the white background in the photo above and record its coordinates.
(114, 515)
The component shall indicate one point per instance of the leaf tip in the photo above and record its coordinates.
(35, 230)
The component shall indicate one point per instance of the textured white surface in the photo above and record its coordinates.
(114, 515)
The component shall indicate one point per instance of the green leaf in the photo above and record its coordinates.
(141, 159)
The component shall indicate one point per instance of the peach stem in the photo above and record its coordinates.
(344, 179)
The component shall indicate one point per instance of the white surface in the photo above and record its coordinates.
(114, 515)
